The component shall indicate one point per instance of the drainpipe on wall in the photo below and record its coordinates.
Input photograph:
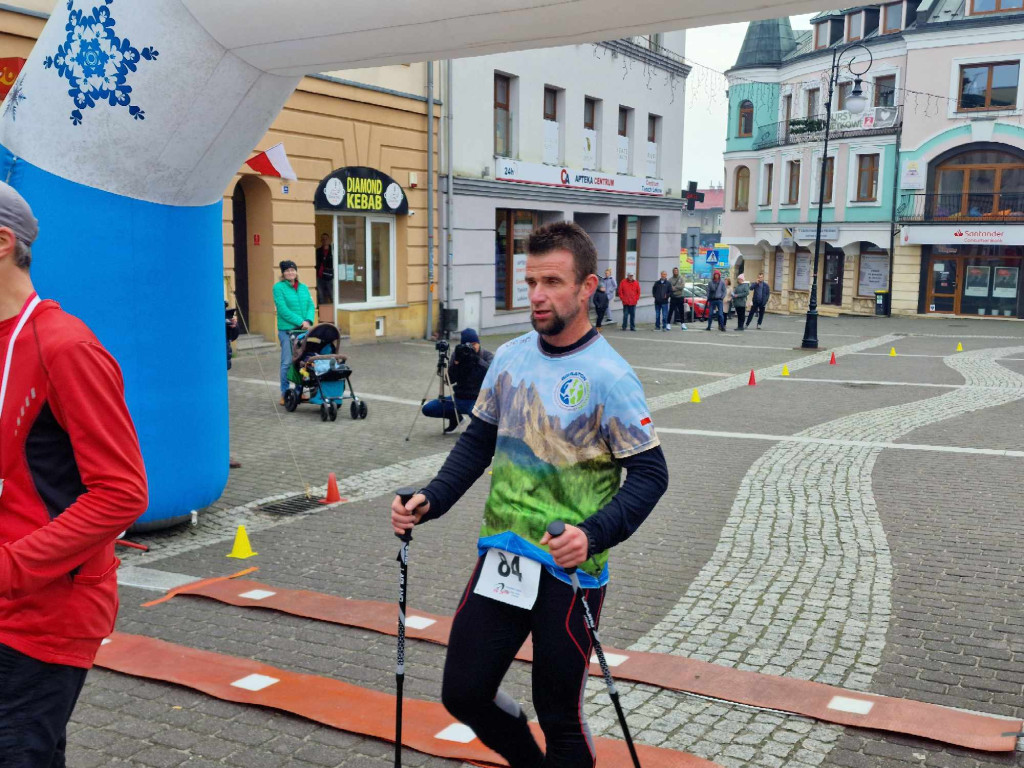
(430, 200)
(892, 223)
(449, 253)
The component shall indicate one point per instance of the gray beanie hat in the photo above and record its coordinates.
(16, 214)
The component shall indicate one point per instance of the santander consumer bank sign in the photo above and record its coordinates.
(963, 235)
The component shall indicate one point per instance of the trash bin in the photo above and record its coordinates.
(882, 301)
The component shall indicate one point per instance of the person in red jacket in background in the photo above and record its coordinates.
(629, 295)
(71, 481)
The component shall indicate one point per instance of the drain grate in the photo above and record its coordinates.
(290, 506)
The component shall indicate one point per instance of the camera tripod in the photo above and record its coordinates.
(444, 386)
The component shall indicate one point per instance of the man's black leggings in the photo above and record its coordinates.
(485, 637)
(36, 700)
(756, 309)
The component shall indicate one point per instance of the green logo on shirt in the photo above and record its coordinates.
(573, 391)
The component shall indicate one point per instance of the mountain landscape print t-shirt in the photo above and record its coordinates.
(562, 420)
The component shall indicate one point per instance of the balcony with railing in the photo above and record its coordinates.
(877, 121)
(968, 207)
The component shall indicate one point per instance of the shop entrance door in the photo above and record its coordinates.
(832, 282)
(942, 285)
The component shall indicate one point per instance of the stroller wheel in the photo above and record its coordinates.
(362, 409)
(354, 410)
(291, 399)
(323, 412)
(332, 411)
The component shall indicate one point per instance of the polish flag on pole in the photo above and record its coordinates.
(273, 162)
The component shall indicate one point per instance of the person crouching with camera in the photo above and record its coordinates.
(466, 373)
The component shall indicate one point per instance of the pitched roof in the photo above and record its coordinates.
(713, 198)
(766, 43)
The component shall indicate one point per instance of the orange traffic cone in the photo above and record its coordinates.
(753, 381)
(333, 497)
(833, 360)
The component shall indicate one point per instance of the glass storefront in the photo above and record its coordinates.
(510, 257)
(974, 280)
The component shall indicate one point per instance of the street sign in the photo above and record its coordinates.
(712, 257)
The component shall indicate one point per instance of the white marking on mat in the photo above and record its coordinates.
(456, 732)
(255, 682)
(419, 622)
(853, 706)
(613, 659)
(257, 594)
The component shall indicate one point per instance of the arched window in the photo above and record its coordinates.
(979, 183)
(741, 192)
(746, 126)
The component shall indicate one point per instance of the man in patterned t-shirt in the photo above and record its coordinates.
(561, 414)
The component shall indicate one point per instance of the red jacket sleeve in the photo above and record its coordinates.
(85, 391)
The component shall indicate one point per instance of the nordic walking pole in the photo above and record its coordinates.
(403, 583)
(556, 529)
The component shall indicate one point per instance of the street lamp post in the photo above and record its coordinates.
(855, 104)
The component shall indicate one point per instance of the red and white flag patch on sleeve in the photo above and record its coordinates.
(645, 421)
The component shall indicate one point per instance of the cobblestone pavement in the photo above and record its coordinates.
(890, 571)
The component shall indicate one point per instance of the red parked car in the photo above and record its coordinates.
(696, 306)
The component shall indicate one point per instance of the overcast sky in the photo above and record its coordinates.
(706, 105)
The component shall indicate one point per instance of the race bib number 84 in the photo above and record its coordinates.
(509, 578)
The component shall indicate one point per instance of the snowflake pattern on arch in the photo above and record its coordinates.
(96, 62)
(14, 99)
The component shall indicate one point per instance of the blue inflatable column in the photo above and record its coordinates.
(122, 132)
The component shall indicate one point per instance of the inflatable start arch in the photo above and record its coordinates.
(132, 116)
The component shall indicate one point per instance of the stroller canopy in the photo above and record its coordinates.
(322, 339)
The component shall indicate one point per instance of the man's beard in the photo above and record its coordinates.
(555, 324)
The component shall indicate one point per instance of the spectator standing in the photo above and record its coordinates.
(677, 303)
(727, 301)
(325, 271)
(739, 300)
(629, 293)
(295, 311)
(759, 295)
(662, 292)
(601, 300)
(611, 290)
(716, 294)
(231, 328)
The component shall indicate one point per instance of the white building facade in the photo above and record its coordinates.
(587, 133)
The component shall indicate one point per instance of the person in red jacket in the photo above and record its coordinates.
(71, 481)
(629, 295)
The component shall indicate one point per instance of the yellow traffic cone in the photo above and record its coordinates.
(785, 370)
(892, 351)
(242, 548)
(695, 398)
(959, 347)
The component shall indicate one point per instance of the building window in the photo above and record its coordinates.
(793, 188)
(885, 91)
(769, 182)
(591, 119)
(830, 169)
(365, 259)
(867, 178)
(653, 129)
(589, 114)
(845, 89)
(892, 18)
(854, 26)
(989, 86)
(511, 234)
(741, 194)
(622, 147)
(746, 124)
(995, 6)
(551, 104)
(821, 35)
(978, 184)
(502, 115)
(813, 99)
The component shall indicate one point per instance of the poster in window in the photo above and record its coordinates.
(976, 281)
(780, 262)
(874, 273)
(622, 148)
(551, 142)
(520, 293)
(1004, 286)
(631, 259)
(802, 275)
(589, 148)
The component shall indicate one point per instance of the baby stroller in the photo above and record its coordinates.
(319, 370)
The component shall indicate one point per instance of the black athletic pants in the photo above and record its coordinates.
(740, 314)
(485, 637)
(36, 700)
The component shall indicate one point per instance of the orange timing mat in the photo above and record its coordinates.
(821, 702)
(427, 726)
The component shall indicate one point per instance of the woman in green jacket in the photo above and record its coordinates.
(739, 300)
(294, 311)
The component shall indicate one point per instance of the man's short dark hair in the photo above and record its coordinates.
(22, 255)
(566, 236)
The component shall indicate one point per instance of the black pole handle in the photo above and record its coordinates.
(555, 529)
(404, 494)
